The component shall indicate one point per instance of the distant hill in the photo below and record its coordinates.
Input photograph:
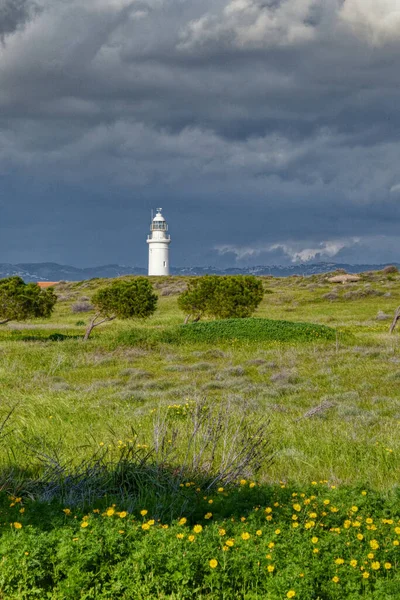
(56, 272)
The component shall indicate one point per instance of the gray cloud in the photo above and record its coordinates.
(14, 14)
(268, 130)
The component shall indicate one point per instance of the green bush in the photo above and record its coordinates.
(123, 299)
(20, 301)
(249, 329)
(223, 297)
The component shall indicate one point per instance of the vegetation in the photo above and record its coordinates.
(20, 301)
(223, 297)
(249, 541)
(252, 329)
(86, 426)
(123, 299)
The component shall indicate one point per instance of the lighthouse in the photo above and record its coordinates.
(158, 242)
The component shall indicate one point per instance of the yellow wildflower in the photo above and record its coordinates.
(191, 538)
(339, 561)
(230, 543)
(180, 536)
(110, 512)
(258, 532)
(123, 514)
(17, 525)
(353, 563)
(197, 528)
(270, 568)
(221, 531)
(144, 512)
(297, 507)
(291, 594)
(245, 536)
(365, 574)
(213, 563)
(376, 565)
(208, 515)
(84, 524)
(67, 511)
(335, 579)
(374, 544)
(145, 526)
(388, 565)
(314, 540)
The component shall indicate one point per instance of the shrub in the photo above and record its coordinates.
(20, 301)
(249, 329)
(390, 269)
(223, 297)
(123, 299)
(79, 307)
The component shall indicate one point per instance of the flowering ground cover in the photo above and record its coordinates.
(249, 541)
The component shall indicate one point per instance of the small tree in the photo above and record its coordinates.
(125, 300)
(20, 301)
(224, 297)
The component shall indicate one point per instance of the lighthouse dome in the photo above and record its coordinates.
(159, 223)
(159, 216)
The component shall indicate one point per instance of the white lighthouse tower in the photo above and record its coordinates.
(158, 242)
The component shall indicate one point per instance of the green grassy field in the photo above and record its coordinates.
(328, 405)
(334, 406)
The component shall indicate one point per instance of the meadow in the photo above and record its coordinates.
(154, 417)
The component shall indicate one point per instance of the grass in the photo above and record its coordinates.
(72, 397)
(330, 407)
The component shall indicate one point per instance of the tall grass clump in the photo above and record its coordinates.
(209, 444)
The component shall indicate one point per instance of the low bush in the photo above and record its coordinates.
(251, 329)
(246, 541)
(82, 306)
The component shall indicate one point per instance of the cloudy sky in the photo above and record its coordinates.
(268, 130)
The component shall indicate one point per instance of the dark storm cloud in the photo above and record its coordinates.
(13, 14)
(268, 130)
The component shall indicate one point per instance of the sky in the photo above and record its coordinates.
(267, 130)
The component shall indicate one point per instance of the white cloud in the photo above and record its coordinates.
(295, 251)
(395, 189)
(253, 24)
(376, 21)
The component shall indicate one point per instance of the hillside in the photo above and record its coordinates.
(55, 272)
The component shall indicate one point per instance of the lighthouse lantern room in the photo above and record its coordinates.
(158, 242)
